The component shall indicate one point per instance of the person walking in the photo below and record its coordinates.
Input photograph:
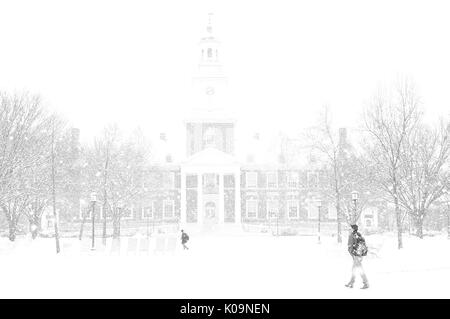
(357, 249)
(184, 239)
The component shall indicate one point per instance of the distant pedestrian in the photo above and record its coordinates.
(357, 249)
(184, 239)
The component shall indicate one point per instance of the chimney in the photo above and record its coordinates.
(342, 136)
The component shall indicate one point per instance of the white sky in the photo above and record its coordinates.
(131, 61)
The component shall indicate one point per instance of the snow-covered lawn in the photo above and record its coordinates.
(225, 266)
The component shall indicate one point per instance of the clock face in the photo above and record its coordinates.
(209, 90)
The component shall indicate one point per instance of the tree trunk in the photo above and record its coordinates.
(419, 226)
(34, 233)
(54, 192)
(12, 230)
(35, 226)
(338, 219)
(448, 222)
(399, 222)
(104, 222)
(105, 198)
(82, 226)
(115, 225)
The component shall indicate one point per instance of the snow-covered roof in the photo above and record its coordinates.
(210, 156)
(210, 115)
(268, 152)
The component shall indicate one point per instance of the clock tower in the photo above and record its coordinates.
(209, 80)
(209, 125)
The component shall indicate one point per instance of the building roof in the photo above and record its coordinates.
(210, 115)
(211, 156)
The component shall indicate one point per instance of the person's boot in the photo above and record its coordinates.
(365, 286)
(349, 285)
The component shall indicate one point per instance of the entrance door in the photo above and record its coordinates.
(210, 211)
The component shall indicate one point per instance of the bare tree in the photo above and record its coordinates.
(424, 180)
(390, 120)
(97, 168)
(106, 147)
(23, 124)
(40, 199)
(115, 168)
(127, 184)
(346, 170)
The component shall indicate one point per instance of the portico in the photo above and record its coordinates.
(210, 181)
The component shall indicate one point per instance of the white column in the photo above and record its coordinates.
(199, 198)
(237, 197)
(183, 198)
(221, 200)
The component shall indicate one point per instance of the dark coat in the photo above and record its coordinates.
(351, 244)
(184, 238)
(356, 244)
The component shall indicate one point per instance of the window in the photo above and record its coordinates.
(272, 180)
(209, 137)
(108, 213)
(84, 212)
(210, 184)
(191, 181)
(368, 223)
(292, 209)
(87, 212)
(252, 208)
(210, 53)
(272, 208)
(126, 213)
(210, 180)
(292, 179)
(251, 179)
(148, 211)
(228, 181)
(313, 179)
(168, 209)
(210, 210)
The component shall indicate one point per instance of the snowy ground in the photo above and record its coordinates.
(239, 266)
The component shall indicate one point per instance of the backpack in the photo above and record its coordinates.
(360, 247)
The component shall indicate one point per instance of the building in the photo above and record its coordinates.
(212, 185)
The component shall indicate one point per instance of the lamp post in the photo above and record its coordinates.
(354, 200)
(119, 211)
(93, 201)
(319, 206)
